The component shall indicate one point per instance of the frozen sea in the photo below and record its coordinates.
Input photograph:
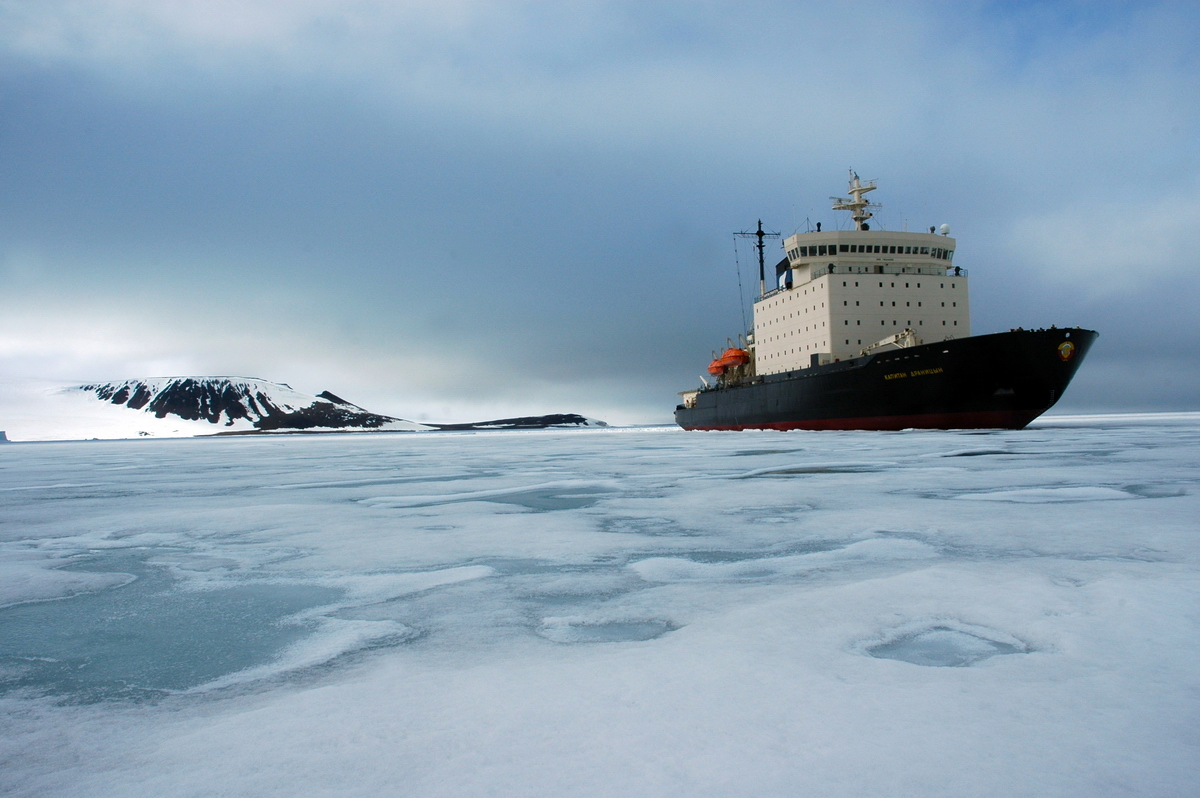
(621, 612)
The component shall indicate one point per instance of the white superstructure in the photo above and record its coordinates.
(842, 291)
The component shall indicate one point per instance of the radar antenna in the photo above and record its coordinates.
(760, 234)
(860, 209)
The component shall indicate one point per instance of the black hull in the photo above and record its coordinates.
(1003, 380)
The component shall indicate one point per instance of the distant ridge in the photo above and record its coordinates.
(250, 405)
(262, 405)
(527, 422)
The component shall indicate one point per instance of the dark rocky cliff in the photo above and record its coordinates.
(225, 400)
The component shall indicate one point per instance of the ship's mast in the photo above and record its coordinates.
(860, 209)
(760, 234)
(762, 274)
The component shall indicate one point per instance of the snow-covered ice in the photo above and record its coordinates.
(634, 612)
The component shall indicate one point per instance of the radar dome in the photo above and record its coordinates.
(945, 229)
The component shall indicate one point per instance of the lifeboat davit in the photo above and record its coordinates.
(729, 359)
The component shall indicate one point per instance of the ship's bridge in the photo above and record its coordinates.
(869, 247)
(810, 255)
(838, 292)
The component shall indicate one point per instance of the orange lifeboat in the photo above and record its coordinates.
(731, 358)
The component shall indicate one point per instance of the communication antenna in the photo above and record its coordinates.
(760, 234)
(859, 208)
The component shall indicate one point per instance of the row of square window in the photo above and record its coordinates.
(846, 302)
(882, 323)
(920, 323)
(941, 285)
(785, 354)
(823, 250)
(846, 285)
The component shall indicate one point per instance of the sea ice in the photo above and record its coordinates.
(641, 612)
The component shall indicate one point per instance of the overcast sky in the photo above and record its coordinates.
(454, 210)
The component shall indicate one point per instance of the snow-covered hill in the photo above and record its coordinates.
(230, 401)
(174, 407)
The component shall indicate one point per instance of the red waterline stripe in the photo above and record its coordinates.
(991, 419)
